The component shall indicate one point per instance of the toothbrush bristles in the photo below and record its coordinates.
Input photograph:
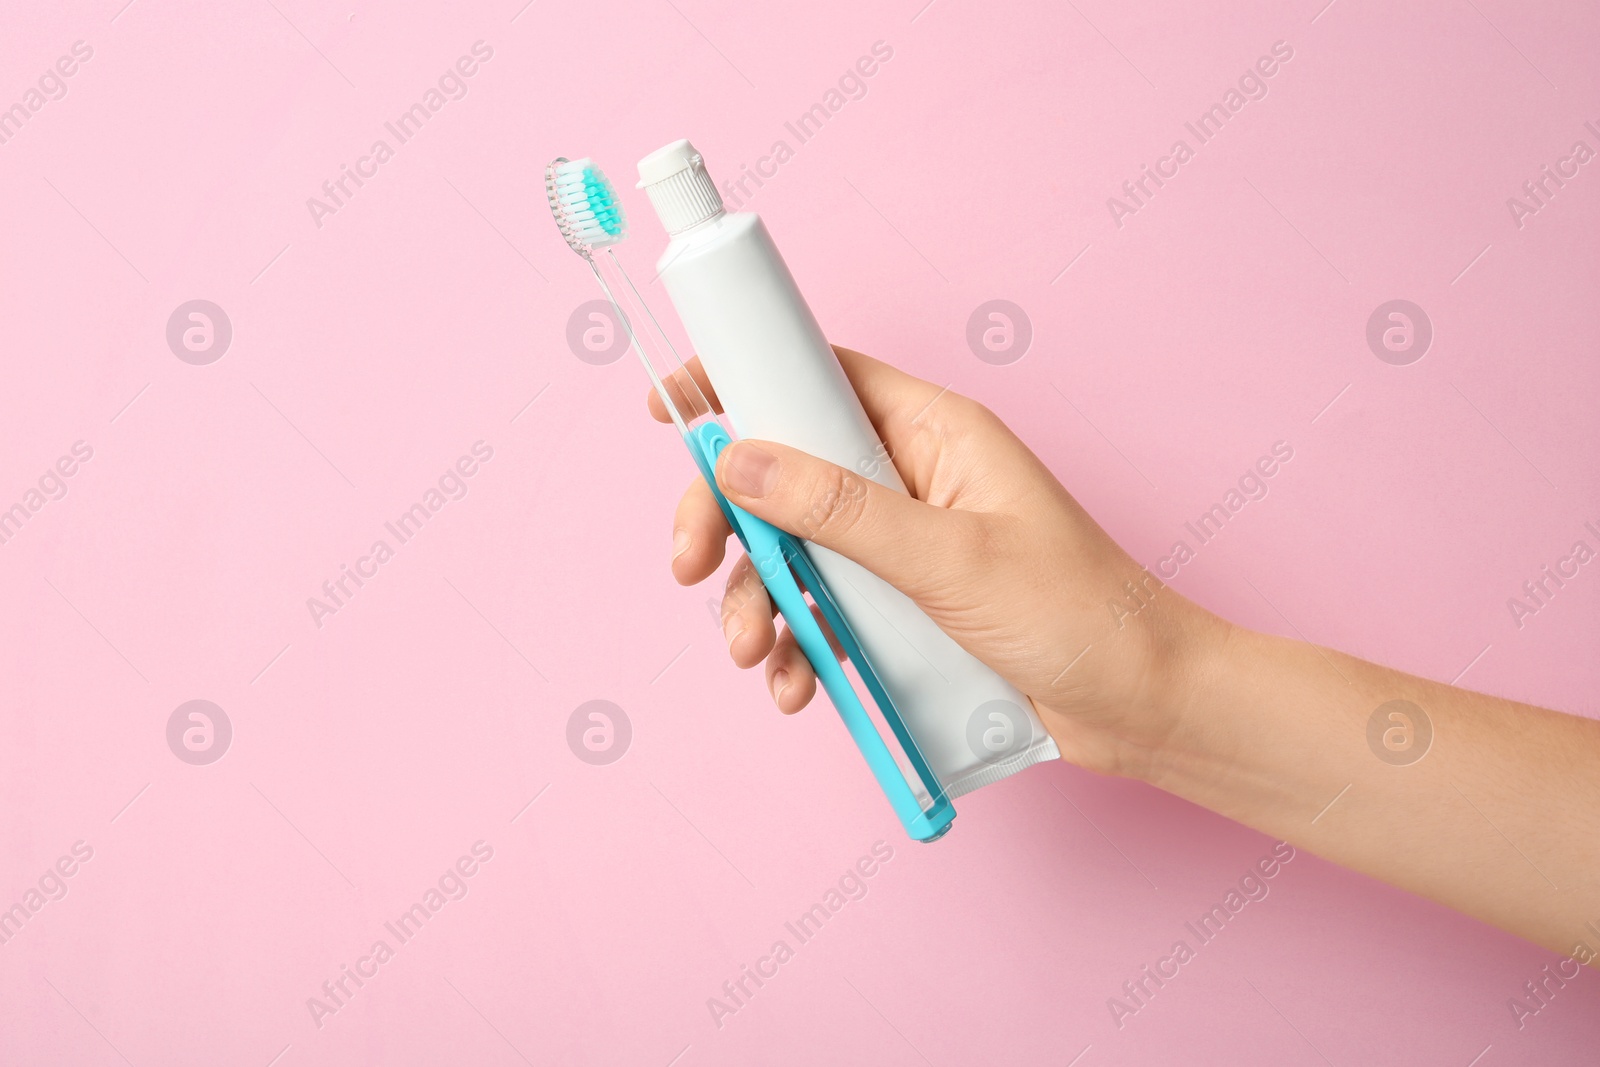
(585, 206)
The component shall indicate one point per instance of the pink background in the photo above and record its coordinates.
(425, 315)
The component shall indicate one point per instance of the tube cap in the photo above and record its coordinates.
(680, 190)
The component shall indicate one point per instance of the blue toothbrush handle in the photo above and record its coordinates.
(773, 551)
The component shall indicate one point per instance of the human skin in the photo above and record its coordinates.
(1499, 820)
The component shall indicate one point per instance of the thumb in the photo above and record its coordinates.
(885, 531)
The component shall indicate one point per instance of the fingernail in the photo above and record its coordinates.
(732, 627)
(749, 470)
(780, 682)
(680, 542)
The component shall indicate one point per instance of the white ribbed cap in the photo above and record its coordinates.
(675, 179)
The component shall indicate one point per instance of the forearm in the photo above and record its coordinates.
(1499, 818)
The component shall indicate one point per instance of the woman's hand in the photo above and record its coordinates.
(1501, 820)
(989, 545)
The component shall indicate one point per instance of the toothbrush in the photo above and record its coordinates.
(591, 220)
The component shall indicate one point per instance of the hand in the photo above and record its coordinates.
(1269, 731)
(989, 545)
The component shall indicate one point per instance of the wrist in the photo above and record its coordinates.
(1247, 723)
(1167, 662)
(1190, 649)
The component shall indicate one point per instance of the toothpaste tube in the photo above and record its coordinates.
(779, 380)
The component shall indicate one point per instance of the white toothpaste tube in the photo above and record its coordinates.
(779, 380)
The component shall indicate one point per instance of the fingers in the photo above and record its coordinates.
(896, 537)
(699, 535)
(892, 397)
(790, 679)
(690, 390)
(914, 418)
(889, 395)
(907, 411)
(748, 624)
(747, 616)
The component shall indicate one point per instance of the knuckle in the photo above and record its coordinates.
(740, 588)
(977, 540)
(696, 505)
(972, 412)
